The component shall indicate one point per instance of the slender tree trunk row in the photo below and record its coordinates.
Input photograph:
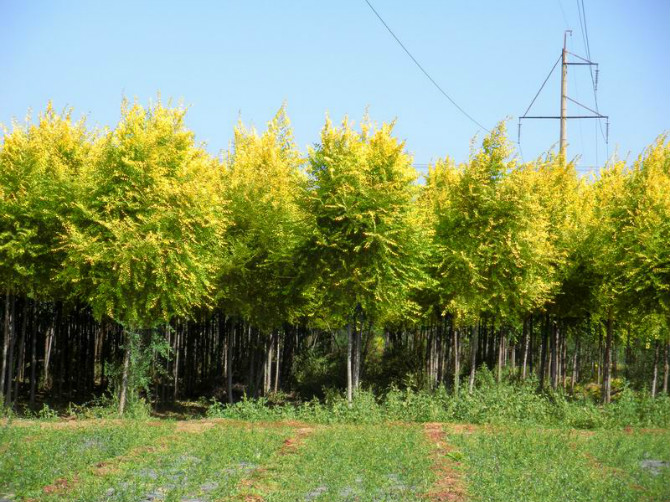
(54, 351)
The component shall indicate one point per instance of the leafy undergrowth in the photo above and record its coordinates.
(491, 403)
(558, 465)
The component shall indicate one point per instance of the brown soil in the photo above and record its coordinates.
(58, 486)
(450, 486)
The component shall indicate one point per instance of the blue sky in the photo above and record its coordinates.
(226, 59)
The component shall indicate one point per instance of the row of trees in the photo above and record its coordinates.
(135, 248)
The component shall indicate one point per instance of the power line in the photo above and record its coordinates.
(594, 81)
(560, 4)
(423, 70)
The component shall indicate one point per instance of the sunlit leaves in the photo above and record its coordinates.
(142, 246)
(364, 247)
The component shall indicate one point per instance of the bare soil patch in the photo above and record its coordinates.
(450, 486)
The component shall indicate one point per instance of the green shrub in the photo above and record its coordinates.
(504, 403)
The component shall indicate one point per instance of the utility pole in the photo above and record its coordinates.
(564, 117)
(563, 145)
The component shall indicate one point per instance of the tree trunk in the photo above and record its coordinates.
(48, 346)
(501, 354)
(350, 383)
(278, 351)
(229, 363)
(543, 351)
(21, 350)
(358, 342)
(654, 380)
(627, 354)
(526, 345)
(457, 361)
(530, 344)
(607, 366)
(600, 354)
(564, 358)
(575, 366)
(666, 367)
(473, 357)
(178, 336)
(124, 377)
(5, 346)
(33, 359)
(10, 363)
(554, 355)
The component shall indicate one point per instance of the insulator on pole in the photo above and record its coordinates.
(596, 83)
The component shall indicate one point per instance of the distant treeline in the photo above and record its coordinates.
(132, 260)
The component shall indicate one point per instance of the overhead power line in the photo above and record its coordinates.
(439, 88)
(594, 80)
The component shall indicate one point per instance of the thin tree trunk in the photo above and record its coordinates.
(177, 353)
(276, 386)
(473, 357)
(350, 383)
(440, 367)
(5, 345)
(600, 354)
(48, 345)
(357, 356)
(530, 344)
(666, 367)
(575, 365)
(543, 351)
(10, 364)
(501, 354)
(526, 345)
(457, 361)
(21, 351)
(33, 359)
(564, 359)
(554, 356)
(627, 354)
(654, 381)
(268, 366)
(124, 377)
(607, 366)
(229, 363)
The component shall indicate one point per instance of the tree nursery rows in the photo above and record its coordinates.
(134, 264)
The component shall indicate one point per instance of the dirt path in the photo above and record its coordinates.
(450, 486)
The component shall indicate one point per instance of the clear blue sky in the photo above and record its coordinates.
(227, 59)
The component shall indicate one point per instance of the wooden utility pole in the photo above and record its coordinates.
(563, 116)
(564, 97)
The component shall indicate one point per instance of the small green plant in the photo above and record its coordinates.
(47, 413)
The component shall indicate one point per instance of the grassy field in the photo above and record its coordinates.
(225, 460)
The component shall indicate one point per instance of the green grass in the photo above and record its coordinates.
(230, 460)
(34, 456)
(362, 463)
(558, 465)
(200, 464)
